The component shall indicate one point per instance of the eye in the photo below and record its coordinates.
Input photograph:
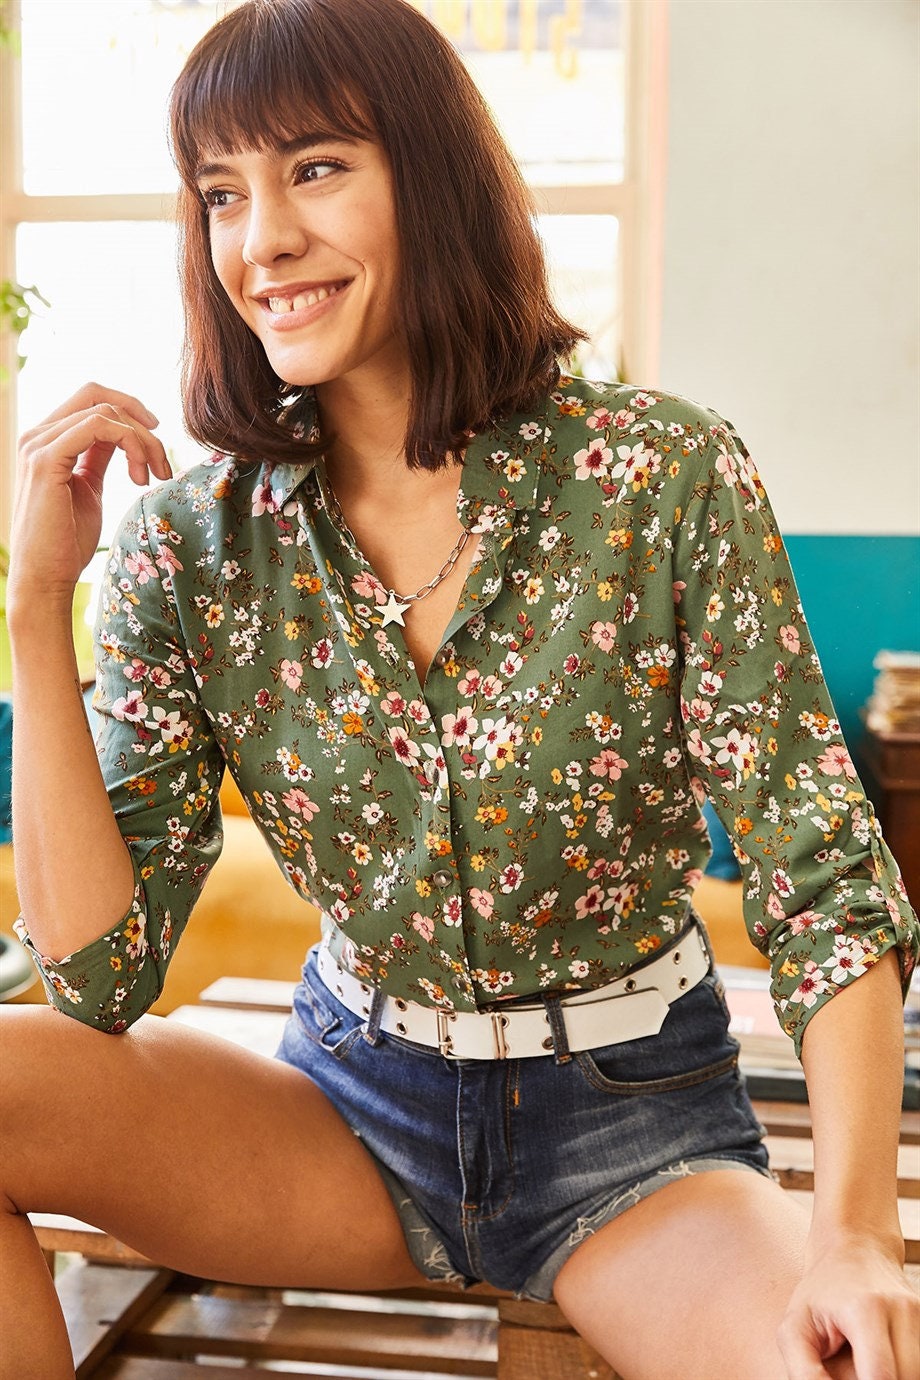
(215, 198)
(316, 169)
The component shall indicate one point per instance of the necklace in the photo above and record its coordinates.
(399, 604)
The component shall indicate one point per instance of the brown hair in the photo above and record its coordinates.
(483, 337)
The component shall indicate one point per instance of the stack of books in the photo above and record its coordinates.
(767, 1058)
(895, 703)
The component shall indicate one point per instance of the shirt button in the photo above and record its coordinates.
(458, 983)
(442, 657)
(442, 878)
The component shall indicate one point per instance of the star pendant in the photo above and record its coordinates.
(392, 611)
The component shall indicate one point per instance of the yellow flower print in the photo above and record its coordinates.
(714, 607)
(536, 736)
(556, 776)
(620, 538)
(772, 746)
(361, 853)
(605, 591)
(776, 594)
(772, 543)
(115, 963)
(214, 616)
(788, 969)
(477, 862)
(310, 584)
(352, 723)
(291, 630)
(422, 886)
(648, 943)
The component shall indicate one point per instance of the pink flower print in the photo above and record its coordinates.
(483, 902)
(299, 803)
(367, 586)
(594, 462)
(168, 561)
(160, 677)
(469, 684)
(263, 500)
(131, 708)
(458, 729)
(452, 911)
(141, 566)
(802, 923)
(603, 635)
(571, 664)
(291, 673)
(417, 711)
(490, 687)
(782, 882)
(623, 419)
(423, 925)
(404, 749)
(677, 590)
(698, 747)
(774, 907)
(393, 704)
(136, 671)
(789, 637)
(642, 400)
(608, 764)
(811, 987)
(592, 903)
(836, 761)
(599, 419)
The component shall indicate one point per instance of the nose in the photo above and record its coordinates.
(272, 231)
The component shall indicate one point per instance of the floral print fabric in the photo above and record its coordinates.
(629, 640)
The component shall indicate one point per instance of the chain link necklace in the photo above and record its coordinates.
(399, 604)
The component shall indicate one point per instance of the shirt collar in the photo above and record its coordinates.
(501, 472)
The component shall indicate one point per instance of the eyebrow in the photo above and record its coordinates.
(279, 152)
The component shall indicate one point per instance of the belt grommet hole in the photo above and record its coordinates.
(682, 983)
(548, 1042)
(400, 1028)
(631, 985)
(339, 991)
(365, 1010)
(677, 956)
(401, 1005)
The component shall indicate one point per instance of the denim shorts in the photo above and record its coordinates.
(500, 1169)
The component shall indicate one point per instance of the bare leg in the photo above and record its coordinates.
(692, 1282)
(204, 1156)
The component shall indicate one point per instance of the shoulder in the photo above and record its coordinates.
(211, 495)
(582, 408)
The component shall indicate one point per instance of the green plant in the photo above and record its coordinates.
(9, 38)
(17, 307)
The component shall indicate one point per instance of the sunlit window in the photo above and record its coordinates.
(97, 183)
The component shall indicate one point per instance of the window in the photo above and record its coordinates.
(87, 181)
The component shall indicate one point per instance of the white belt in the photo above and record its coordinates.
(630, 1007)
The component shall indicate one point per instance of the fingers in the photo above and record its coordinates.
(84, 442)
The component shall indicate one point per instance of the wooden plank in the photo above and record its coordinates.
(793, 1159)
(527, 1354)
(58, 1233)
(100, 1303)
(265, 1330)
(908, 1212)
(794, 1119)
(524, 1313)
(148, 1368)
(261, 994)
(259, 1031)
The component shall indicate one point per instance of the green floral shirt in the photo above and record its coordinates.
(629, 640)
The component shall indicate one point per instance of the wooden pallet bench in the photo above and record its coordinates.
(145, 1322)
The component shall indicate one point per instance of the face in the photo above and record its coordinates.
(303, 240)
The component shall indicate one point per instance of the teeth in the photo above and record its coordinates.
(281, 305)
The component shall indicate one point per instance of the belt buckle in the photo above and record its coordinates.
(445, 1043)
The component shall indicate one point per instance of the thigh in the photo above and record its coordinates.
(693, 1281)
(203, 1155)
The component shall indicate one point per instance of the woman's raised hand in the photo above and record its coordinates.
(57, 518)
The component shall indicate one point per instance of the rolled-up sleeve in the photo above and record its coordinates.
(162, 768)
(823, 897)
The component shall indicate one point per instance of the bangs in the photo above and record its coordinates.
(257, 84)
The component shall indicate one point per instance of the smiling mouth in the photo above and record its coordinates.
(282, 306)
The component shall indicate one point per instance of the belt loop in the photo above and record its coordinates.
(371, 1031)
(556, 1018)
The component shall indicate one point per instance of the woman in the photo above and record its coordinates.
(473, 637)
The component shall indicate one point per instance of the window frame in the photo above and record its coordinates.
(637, 202)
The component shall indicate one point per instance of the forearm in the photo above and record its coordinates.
(853, 1056)
(73, 869)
